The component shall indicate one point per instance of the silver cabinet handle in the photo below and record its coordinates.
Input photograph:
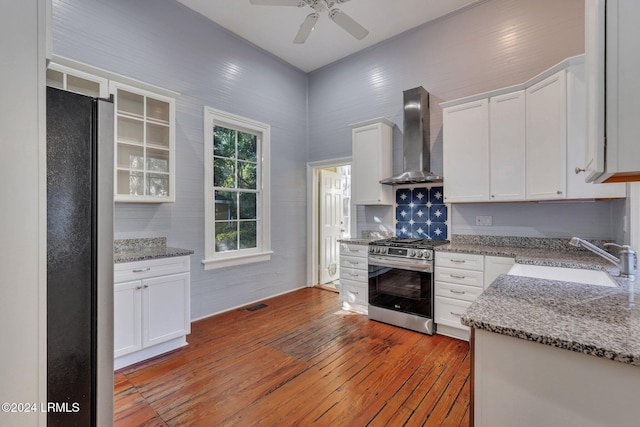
(457, 292)
(354, 292)
(138, 288)
(145, 286)
(455, 276)
(141, 270)
(354, 263)
(459, 261)
(455, 314)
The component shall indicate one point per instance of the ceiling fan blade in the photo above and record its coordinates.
(349, 25)
(296, 3)
(306, 27)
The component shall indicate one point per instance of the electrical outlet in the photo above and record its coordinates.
(484, 220)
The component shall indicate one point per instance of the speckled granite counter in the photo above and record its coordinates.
(595, 320)
(130, 250)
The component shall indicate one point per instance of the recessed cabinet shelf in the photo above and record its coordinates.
(144, 129)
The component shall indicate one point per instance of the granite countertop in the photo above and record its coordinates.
(130, 250)
(595, 320)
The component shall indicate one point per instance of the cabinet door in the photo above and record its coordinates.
(127, 336)
(371, 162)
(507, 147)
(577, 187)
(466, 152)
(546, 138)
(145, 145)
(165, 308)
(495, 266)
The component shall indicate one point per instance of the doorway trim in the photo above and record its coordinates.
(313, 174)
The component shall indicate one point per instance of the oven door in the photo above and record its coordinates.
(401, 286)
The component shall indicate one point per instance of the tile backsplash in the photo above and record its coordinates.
(420, 212)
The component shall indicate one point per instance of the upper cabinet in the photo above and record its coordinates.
(466, 152)
(525, 143)
(144, 129)
(371, 162)
(546, 138)
(613, 90)
(77, 81)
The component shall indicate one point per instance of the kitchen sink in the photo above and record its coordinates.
(575, 275)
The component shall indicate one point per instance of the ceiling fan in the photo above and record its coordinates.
(319, 6)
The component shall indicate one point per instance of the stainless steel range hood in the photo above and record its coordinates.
(416, 148)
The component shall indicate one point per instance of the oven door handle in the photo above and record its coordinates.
(376, 261)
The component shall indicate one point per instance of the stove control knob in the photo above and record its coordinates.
(412, 253)
(370, 248)
(379, 250)
(427, 255)
(384, 251)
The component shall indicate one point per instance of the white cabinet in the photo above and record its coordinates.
(371, 162)
(612, 62)
(151, 308)
(525, 142)
(145, 147)
(458, 281)
(72, 80)
(577, 186)
(546, 141)
(354, 277)
(466, 152)
(495, 266)
(507, 147)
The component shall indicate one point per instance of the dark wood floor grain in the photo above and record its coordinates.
(300, 361)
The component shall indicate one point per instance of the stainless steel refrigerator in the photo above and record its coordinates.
(79, 260)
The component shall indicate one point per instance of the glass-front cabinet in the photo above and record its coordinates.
(145, 135)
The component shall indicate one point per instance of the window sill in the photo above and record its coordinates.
(210, 264)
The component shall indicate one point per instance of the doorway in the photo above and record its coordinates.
(329, 219)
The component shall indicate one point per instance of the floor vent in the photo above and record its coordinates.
(256, 307)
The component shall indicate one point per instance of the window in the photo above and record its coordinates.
(237, 177)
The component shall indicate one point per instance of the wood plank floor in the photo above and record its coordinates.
(300, 361)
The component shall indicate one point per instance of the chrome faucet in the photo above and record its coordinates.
(626, 260)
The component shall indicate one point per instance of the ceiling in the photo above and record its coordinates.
(273, 28)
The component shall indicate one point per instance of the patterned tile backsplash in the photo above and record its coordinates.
(421, 213)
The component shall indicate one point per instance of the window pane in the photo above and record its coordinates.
(226, 236)
(247, 146)
(248, 234)
(157, 185)
(226, 205)
(223, 173)
(248, 206)
(224, 142)
(247, 175)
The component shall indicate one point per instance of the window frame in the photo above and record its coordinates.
(214, 117)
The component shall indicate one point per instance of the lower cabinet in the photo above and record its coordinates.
(152, 313)
(354, 277)
(458, 280)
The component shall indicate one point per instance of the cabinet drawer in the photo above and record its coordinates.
(457, 260)
(354, 250)
(448, 312)
(461, 292)
(354, 292)
(137, 270)
(359, 263)
(355, 275)
(459, 276)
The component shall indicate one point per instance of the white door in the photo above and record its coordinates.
(165, 308)
(127, 317)
(466, 152)
(330, 225)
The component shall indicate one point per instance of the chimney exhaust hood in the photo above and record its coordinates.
(416, 146)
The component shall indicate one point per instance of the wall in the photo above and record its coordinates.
(23, 226)
(166, 44)
(491, 45)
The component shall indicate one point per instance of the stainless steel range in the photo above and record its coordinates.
(401, 282)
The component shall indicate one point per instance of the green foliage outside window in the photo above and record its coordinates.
(235, 178)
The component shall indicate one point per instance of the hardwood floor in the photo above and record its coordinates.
(300, 361)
